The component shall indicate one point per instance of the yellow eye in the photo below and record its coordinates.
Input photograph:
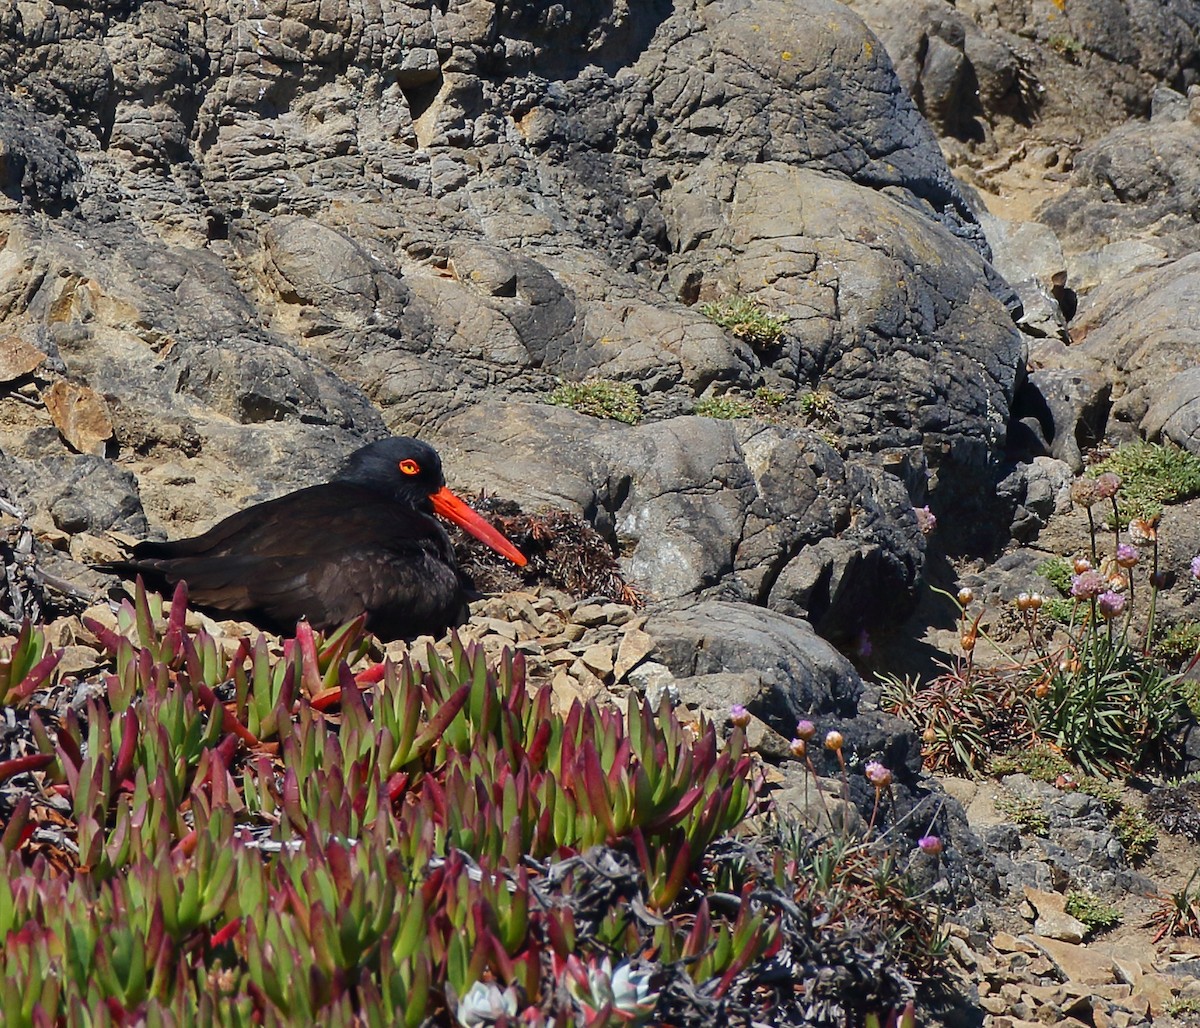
(410, 467)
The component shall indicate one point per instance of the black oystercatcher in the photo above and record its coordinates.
(365, 541)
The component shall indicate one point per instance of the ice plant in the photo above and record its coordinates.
(485, 1003)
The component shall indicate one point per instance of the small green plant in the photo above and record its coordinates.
(1152, 476)
(724, 408)
(1059, 610)
(746, 319)
(1182, 1006)
(819, 407)
(1092, 911)
(1135, 832)
(1067, 46)
(1025, 812)
(1040, 763)
(1179, 644)
(1057, 571)
(600, 398)
(769, 397)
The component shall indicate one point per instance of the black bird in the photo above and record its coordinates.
(366, 541)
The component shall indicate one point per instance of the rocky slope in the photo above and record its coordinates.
(236, 241)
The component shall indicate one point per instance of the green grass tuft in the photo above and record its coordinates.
(746, 320)
(725, 408)
(1135, 833)
(1092, 911)
(1152, 476)
(600, 398)
(1025, 812)
(1057, 571)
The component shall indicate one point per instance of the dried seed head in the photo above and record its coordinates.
(1024, 601)
(739, 715)
(1107, 485)
(833, 741)
(966, 596)
(1084, 492)
(805, 730)
(929, 735)
(1143, 531)
(799, 748)
(1035, 601)
(1081, 565)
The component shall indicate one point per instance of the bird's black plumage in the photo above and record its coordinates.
(366, 541)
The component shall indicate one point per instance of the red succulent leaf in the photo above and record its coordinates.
(19, 765)
(109, 639)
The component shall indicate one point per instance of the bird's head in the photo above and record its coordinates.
(409, 472)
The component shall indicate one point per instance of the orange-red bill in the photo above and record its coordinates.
(451, 507)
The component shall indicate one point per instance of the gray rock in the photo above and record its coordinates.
(800, 674)
(1144, 331)
(1140, 183)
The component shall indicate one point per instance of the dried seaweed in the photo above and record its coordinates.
(564, 551)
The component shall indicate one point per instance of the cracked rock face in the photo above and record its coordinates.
(262, 236)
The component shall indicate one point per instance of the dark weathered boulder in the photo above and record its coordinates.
(1141, 183)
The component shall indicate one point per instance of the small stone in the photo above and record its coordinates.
(1158, 990)
(993, 1004)
(1045, 993)
(589, 615)
(78, 658)
(635, 646)
(1062, 926)
(566, 691)
(761, 738)
(648, 674)
(962, 952)
(1006, 943)
(589, 685)
(1043, 901)
(504, 629)
(599, 659)
(1076, 962)
(569, 634)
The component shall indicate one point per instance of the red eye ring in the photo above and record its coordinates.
(409, 466)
